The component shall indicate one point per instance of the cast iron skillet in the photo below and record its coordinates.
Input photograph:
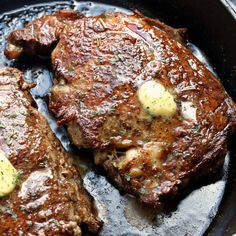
(212, 27)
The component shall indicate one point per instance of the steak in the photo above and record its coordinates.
(49, 198)
(127, 87)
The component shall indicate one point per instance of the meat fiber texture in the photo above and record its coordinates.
(49, 198)
(99, 64)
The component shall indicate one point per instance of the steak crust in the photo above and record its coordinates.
(99, 64)
(49, 198)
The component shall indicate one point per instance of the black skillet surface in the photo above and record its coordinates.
(212, 27)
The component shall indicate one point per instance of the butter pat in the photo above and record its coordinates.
(156, 99)
(8, 175)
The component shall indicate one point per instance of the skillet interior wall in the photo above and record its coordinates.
(211, 27)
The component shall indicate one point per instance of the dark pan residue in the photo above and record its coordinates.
(121, 214)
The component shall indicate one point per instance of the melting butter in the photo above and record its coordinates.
(156, 99)
(8, 175)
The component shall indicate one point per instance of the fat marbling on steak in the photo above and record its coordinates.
(99, 65)
(49, 198)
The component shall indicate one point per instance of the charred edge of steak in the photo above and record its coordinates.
(179, 34)
(211, 163)
(23, 42)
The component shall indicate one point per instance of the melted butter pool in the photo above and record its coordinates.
(122, 215)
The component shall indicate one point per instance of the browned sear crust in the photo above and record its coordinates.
(99, 63)
(49, 198)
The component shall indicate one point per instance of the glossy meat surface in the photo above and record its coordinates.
(99, 64)
(49, 198)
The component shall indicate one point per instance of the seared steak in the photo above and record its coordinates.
(151, 147)
(49, 198)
